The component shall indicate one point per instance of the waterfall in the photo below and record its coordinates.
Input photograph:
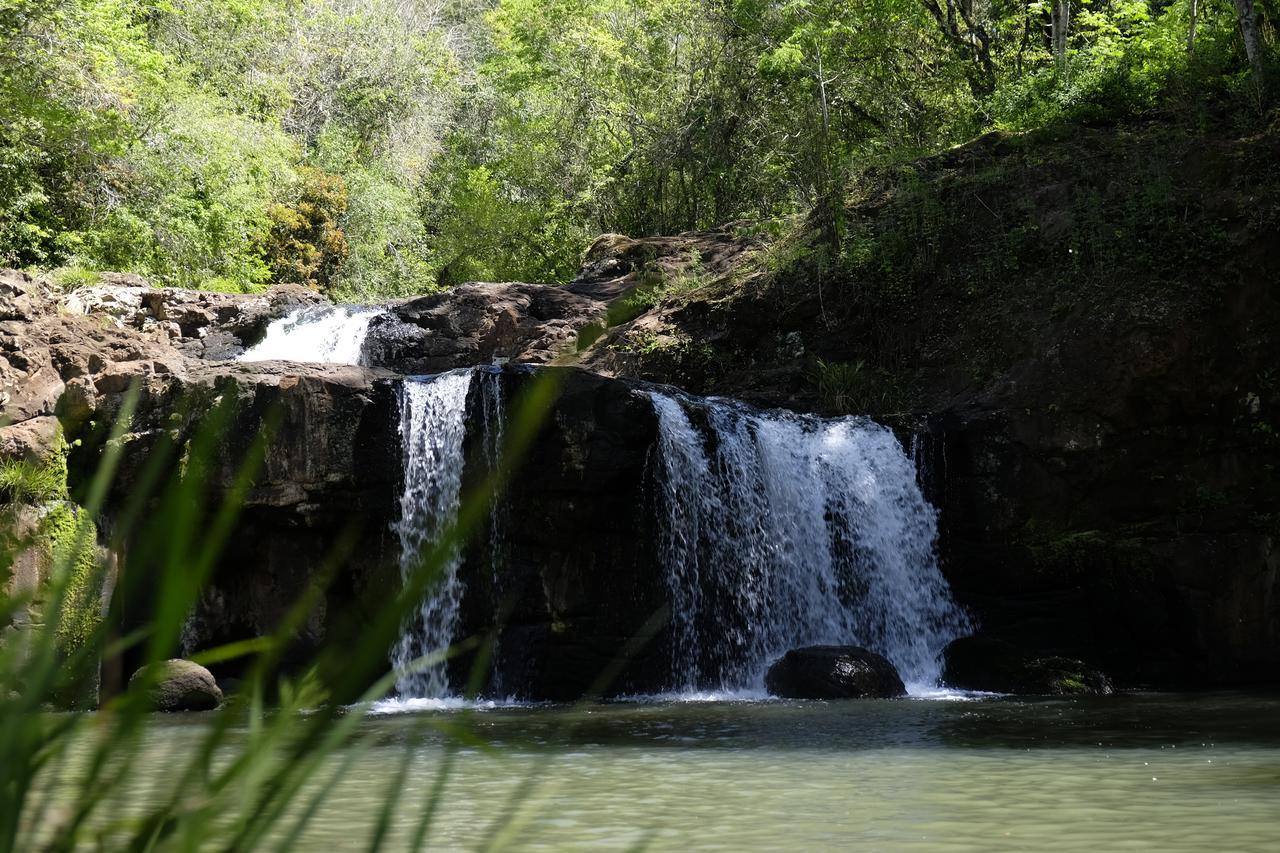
(332, 334)
(782, 530)
(494, 434)
(432, 429)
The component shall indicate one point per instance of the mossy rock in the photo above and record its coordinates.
(177, 685)
(983, 663)
(69, 539)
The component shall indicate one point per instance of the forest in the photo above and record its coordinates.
(378, 148)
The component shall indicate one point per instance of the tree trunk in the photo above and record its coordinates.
(823, 180)
(1060, 22)
(1191, 33)
(1252, 38)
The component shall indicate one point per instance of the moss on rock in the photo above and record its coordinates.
(68, 540)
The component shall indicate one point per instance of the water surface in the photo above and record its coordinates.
(1139, 772)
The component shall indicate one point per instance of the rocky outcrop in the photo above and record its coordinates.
(325, 491)
(198, 323)
(59, 354)
(319, 511)
(178, 685)
(477, 323)
(833, 672)
(66, 365)
(981, 663)
(580, 594)
(578, 597)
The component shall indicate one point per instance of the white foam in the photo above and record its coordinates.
(698, 696)
(420, 704)
(328, 334)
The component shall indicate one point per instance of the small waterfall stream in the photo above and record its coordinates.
(782, 530)
(432, 430)
(332, 334)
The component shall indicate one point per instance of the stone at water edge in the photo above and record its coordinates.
(985, 663)
(181, 685)
(833, 672)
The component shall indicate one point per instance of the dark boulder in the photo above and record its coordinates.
(984, 663)
(833, 672)
(178, 685)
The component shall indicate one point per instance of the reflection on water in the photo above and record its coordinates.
(1157, 772)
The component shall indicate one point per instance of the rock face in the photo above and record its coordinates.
(179, 685)
(326, 486)
(67, 363)
(979, 663)
(199, 323)
(581, 581)
(833, 672)
(477, 323)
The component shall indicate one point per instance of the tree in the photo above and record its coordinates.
(1248, 21)
(1060, 27)
(971, 37)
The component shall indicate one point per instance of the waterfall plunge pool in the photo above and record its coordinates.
(1139, 771)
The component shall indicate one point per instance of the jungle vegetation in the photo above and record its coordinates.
(373, 148)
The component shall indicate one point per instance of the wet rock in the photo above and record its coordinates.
(983, 663)
(477, 323)
(582, 580)
(833, 672)
(179, 685)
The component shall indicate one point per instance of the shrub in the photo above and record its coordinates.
(306, 245)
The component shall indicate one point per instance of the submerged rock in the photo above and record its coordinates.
(983, 663)
(833, 672)
(180, 685)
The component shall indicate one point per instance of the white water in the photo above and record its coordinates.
(332, 334)
(493, 410)
(782, 530)
(414, 705)
(432, 429)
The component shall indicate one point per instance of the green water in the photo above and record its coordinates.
(1140, 772)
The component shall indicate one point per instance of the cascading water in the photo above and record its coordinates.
(432, 429)
(332, 334)
(782, 530)
(494, 425)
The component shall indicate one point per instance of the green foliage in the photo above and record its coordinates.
(69, 278)
(305, 245)
(26, 482)
(656, 288)
(22, 482)
(70, 539)
(183, 139)
(389, 253)
(845, 388)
